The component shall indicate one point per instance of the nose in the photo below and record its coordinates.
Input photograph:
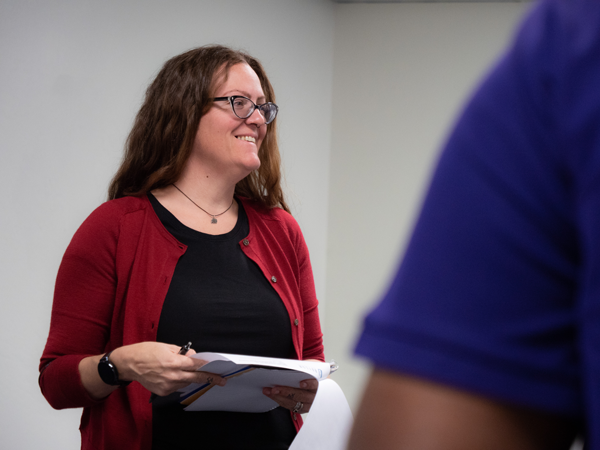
(256, 118)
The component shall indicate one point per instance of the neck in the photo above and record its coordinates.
(214, 193)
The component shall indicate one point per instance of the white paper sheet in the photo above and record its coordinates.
(327, 425)
(244, 394)
(246, 378)
(226, 362)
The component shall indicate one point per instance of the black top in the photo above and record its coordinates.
(220, 300)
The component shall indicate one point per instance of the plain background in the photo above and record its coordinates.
(367, 93)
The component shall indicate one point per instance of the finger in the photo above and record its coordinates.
(290, 393)
(212, 378)
(281, 401)
(295, 406)
(172, 348)
(306, 385)
(190, 364)
(311, 384)
(205, 378)
(175, 380)
(289, 397)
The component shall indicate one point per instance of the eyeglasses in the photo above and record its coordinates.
(243, 107)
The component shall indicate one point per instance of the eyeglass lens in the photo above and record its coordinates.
(244, 107)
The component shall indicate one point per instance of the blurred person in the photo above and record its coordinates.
(196, 243)
(489, 336)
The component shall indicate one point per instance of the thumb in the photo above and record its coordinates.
(191, 364)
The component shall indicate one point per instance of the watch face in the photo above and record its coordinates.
(108, 372)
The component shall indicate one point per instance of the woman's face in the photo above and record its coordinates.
(224, 142)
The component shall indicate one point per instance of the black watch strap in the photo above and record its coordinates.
(109, 373)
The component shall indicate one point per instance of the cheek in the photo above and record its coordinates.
(262, 136)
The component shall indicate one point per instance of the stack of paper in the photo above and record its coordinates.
(246, 377)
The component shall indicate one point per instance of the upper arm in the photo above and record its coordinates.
(404, 412)
(85, 290)
(82, 311)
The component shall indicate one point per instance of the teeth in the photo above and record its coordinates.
(247, 138)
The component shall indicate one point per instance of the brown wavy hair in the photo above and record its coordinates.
(165, 127)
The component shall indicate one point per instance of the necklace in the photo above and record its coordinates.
(214, 216)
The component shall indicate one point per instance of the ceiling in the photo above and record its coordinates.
(430, 1)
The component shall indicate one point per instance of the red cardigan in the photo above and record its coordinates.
(109, 292)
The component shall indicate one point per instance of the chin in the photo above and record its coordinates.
(253, 165)
(247, 169)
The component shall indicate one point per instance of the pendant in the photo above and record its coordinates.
(214, 220)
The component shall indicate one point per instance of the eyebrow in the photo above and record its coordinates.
(244, 93)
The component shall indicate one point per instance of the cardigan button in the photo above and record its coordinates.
(273, 279)
(296, 322)
(246, 242)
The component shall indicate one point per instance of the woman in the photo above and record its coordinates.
(196, 244)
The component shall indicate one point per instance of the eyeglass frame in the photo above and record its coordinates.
(231, 99)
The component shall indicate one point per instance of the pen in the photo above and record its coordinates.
(182, 351)
(185, 348)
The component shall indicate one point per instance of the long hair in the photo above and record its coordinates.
(165, 127)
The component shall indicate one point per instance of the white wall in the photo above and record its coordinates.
(401, 72)
(72, 76)
(366, 94)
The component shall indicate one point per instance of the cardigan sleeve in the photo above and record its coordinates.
(82, 309)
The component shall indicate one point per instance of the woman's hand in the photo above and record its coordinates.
(298, 400)
(160, 368)
(156, 366)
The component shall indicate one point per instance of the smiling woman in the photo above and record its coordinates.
(166, 126)
(196, 243)
(225, 144)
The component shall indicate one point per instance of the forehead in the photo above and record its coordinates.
(240, 78)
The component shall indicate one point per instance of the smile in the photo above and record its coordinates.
(247, 138)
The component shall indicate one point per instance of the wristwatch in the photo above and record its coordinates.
(109, 373)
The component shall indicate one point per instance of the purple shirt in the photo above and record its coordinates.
(499, 290)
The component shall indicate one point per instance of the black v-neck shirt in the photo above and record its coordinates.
(220, 300)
